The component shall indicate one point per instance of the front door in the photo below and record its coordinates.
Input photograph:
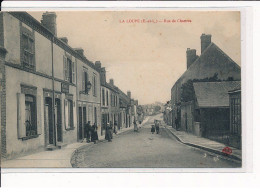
(49, 121)
(58, 119)
(80, 124)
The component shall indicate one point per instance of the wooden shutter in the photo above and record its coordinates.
(39, 115)
(65, 68)
(66, 115)
(83, 81)
(73, 72)
(21, 129)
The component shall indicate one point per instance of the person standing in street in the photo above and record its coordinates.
(157, 127)
(115, 127)
(108, 135)
(153, 129)
(87, 131)
(94, 134)
(135, 126)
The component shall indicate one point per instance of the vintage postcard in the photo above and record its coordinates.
(121, 89)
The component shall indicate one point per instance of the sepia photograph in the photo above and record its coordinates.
(121, 89)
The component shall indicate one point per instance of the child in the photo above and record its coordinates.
(153, 129)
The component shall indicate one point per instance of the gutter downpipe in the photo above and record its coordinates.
(53, 96)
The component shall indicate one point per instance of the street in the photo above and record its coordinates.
(145, 150)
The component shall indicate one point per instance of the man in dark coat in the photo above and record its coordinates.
(87, 131)
(108, 135)
(94, 134)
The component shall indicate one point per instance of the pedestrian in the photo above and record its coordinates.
(135, 126)
(153, 129)
(176, 123)
(115, 127)
(157, 127)
(108, 133)
(94, 134)
(87, 131)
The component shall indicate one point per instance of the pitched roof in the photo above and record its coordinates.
(214, 94)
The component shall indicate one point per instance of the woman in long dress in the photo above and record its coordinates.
(94, 134)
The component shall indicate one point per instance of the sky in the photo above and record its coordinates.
(147, 58)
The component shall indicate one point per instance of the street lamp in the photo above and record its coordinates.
(89, 85)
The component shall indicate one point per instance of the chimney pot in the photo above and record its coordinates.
(80, 51)
(129, 94)
(98, 64)
(205, 41)
(191, 56)
(64, 39)
(111, 81)
(49, 21)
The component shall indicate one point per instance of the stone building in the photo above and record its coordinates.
(42, 81)
(212, 65)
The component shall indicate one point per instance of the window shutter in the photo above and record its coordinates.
(21, 130)
(73, 72)
(66, 115)
(39, 115)
(83, 81)
(65, 67)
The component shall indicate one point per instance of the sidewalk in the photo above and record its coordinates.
(204, 143)
(59, 158)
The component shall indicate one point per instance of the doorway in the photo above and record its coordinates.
(58, 119)
(49, 121)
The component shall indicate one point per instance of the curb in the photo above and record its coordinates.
(206, 148)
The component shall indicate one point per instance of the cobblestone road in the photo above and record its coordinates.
(146, 150)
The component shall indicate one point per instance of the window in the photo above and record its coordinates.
(107, 98)
(30, 115)
(94, 85)
(69, 70)
(69, 114)
(111, 99)
(103, 97)
(27, 48)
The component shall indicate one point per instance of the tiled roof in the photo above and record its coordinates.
(214, 94)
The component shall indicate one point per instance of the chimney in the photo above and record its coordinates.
(191, 56)
(98, 64)
(64, 39)
(205, 41)
(80, 51)
(111, 81)
(49, 21)
(103, 75)
(129, 94)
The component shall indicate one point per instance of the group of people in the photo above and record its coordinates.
(91, 134)
(156, 127)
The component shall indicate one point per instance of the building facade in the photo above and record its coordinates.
(41, 85)
(212, 65)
